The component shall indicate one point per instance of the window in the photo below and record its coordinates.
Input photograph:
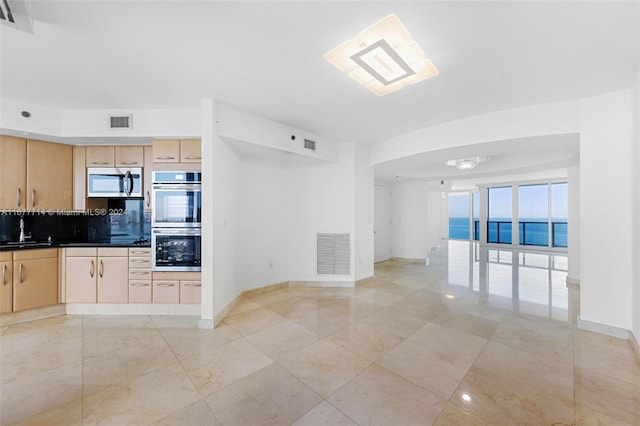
(476, 215)
(459, 216)
(559, 214)
(499, 213)
(533, 215)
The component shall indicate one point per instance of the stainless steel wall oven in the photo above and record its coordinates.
(176, 221)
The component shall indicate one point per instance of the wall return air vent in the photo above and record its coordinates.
(334, 254)
(121, 121)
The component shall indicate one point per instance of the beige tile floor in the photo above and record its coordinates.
(476, 337)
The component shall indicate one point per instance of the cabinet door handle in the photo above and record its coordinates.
(139, 284)
(192, 285)
(128, 162)
(165, 158)
(139, 252)
(20, 273)
(165, 285)
(33, 197)
(100, 163)
(101, 269)
(140, 272)
(4, 274)
(18, 196)
(92, 269)
(139, 260)
(148, 199)
(193, 157)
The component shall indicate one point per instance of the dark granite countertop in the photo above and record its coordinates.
(33, 245)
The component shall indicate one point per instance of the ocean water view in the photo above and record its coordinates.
(532, 231)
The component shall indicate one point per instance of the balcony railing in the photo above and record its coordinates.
(499, 231)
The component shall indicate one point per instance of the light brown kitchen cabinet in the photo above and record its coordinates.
(79, 178)
(129, 156)
(176, 287)
(190, 292)
(100, 156)
(176, 151)
(140, 275)
(97, 275)
(190, 151)
(13, 172)
(166, 150)
(49, 175)
(166, 291)
(35, 278)
(81, 278)
(113, 277)
(6, 282)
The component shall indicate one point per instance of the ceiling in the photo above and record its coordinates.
(266, 58)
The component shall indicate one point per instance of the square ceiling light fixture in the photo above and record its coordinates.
(383, 58)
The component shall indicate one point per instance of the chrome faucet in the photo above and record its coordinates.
(22, 237)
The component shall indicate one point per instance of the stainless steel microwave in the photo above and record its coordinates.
(103, 182)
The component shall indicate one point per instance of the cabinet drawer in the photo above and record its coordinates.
(139, 263)
(190, 292)
(166, 292)
(81, 252)
(139, 291)
(140, 252)
(113, 252)
(140, 274)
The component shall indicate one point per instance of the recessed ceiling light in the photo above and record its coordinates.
(466, 163)
(383, 58)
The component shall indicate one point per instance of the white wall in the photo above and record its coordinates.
(226, 195)
(573, 237)
(322, 199)
(364, 214)
(409, 220)
(435, 219)
(262, 226)
(605, 210)
(636, 206)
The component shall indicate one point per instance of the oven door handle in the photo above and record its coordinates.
(177, 231)
(177, 186)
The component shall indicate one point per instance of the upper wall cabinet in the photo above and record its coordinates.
(118, 156)
(176, 151)
(35, 174)
(49, 175)
(13, 172)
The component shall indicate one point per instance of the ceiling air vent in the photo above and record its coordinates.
(309, 144)
(15, 14)
(120, 121)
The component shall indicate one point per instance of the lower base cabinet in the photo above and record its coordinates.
(6, 282)
(97, 275)
(35, 278)
(121, 275)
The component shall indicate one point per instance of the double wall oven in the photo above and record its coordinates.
(176, 221)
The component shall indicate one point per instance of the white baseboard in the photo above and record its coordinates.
(607, 330)
(323, 284)
(634, 344)
(573, 282)
(131, 309)
(205, 324)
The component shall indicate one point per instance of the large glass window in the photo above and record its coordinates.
(499, 213)
(559, 214)
(533, 214)
(476, 215)
(459, 216)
